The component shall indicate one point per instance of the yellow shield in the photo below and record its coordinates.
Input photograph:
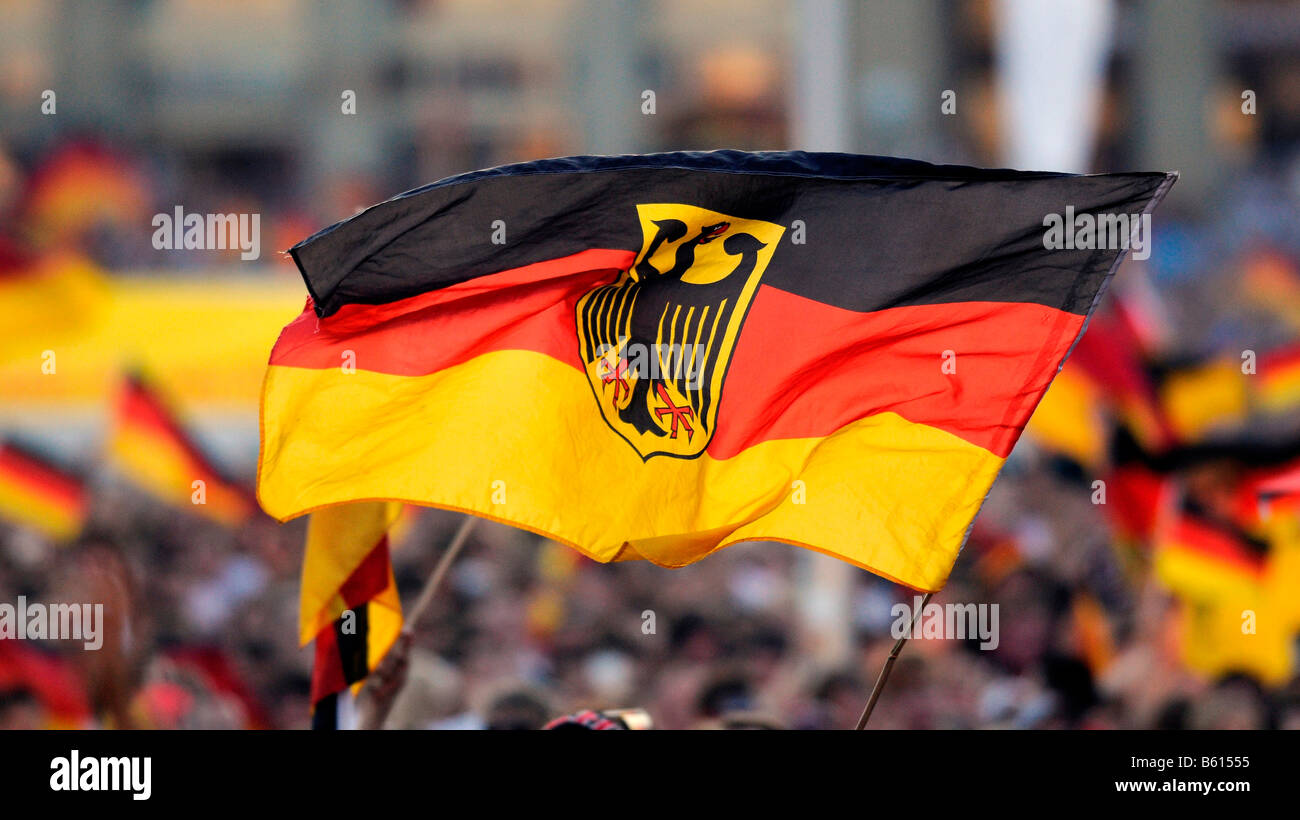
(656, 344)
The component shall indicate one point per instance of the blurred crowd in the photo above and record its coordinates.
(200, 633)
(201, 616)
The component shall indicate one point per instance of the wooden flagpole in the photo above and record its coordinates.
(889, 664)
(383, 684)
(422, 603)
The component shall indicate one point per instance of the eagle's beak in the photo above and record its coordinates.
(717, 231)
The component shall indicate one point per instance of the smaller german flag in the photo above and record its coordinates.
(78, 187)
(1139, 479)
(37, 493)
(1072, 419)
(50, 679)
(1279, 380)
(1204, 558)
(210, 668)
(1282, 487)
(1105, 380)
(343, 656)
(151, 448)
(46, 299)
(350, 604)
(1233, 620)
(1205, 397)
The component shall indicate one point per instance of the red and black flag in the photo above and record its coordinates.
(658, 356)
(39, 493)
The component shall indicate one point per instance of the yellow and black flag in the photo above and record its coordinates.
(658, 356)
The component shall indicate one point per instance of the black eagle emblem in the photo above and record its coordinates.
(657, 341)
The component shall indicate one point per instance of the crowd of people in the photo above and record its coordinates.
(200, 632)
(201, 618)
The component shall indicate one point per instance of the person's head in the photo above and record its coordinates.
(517, 710)
(1235, 702)
(19, 709)
(589, 720)
(743, 720)
(727, 694)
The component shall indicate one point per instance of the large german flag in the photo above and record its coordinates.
(659, 356)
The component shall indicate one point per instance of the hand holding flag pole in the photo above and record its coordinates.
(381, 688)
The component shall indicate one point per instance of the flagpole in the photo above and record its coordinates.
(435, 580)
(383, 684)
(889, 664)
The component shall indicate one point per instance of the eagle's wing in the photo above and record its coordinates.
(691, 334)
(606, 317)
